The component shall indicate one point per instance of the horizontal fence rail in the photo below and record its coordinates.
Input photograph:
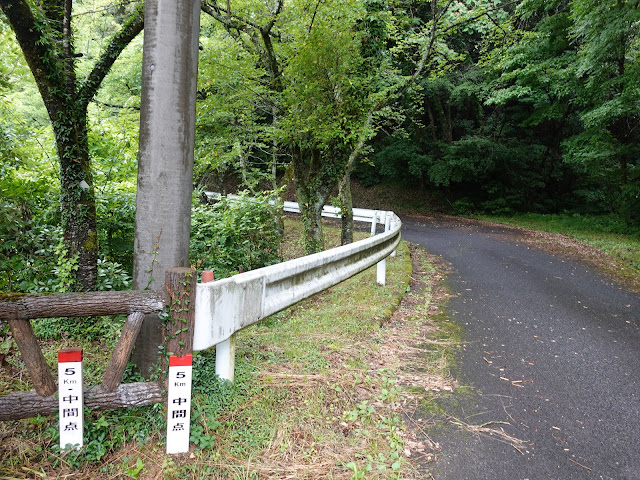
(227, 306)
(16, 405)
(90, 304)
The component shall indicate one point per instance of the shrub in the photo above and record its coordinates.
(29, 252)
(234, 235)
(116, 209)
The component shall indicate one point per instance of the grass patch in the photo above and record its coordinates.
(311, 406)
(606, 233)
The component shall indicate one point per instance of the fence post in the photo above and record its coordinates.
(374, 223)
(180, 284)
(32, 357)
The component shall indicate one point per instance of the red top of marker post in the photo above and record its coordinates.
(186, 361)
(207, 276)
(70, 355)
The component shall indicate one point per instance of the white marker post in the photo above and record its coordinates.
(70, 401)
(179, 403)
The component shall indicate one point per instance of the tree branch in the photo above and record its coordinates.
(274, 15)
(54, 11)
(39, 50)
(262, 44)
(67, 49)
(130, 29)
(228, 19)
(112, 105)
(313, 18)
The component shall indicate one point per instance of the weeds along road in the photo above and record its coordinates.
(550, 348)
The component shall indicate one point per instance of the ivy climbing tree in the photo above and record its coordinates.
(44, 31)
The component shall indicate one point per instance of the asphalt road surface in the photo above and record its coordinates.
(551, 349)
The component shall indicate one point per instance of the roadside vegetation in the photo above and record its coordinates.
(323, 390)
(609, 234)
(491, 106)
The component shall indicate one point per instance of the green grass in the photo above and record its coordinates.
(607, 233)
(299, 371)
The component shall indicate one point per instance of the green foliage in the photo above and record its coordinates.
(324, 98)
(68, 81)
(570, 76)
(608, 65)
(116, 210)
(234, 235)
(400, 158)
(112, 276)
(33, 258)
(105, 432)
(531, 111)
(91, 329)
(233, 128)
(212, 396)
(29, 253)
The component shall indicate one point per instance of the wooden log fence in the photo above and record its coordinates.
(17, 310)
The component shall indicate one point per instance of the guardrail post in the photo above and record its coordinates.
(226, 358)
(394, 222)
(381, 270)
(225, 350)
(374, 223)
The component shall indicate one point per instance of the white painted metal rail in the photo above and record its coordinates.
(227, 306)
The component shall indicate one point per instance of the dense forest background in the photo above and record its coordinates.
(493, 106)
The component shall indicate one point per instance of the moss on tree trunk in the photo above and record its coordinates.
(44, 32)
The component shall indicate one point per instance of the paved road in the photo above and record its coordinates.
(551, 348)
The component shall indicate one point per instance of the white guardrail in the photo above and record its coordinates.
(226, 306)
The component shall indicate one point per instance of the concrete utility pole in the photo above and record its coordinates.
(165, 163)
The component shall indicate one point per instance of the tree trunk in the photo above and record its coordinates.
(344, 187)
(43, 30)
(78, 203)
(312, 189)
(311, 212)
(346, 205)
(165, 165)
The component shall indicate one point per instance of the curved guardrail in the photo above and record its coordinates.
(227, 306)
